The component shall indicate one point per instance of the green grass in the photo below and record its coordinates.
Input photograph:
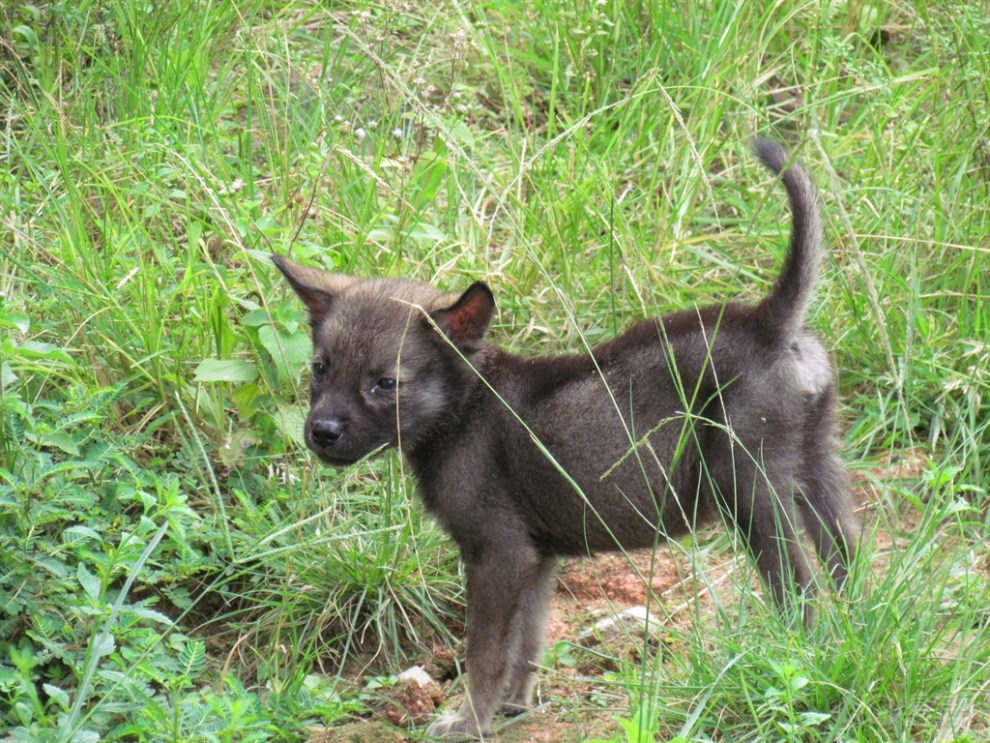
(173, 566)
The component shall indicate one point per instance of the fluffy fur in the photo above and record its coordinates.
(727, 410)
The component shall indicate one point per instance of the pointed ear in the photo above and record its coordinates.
(466, 321)
(317, 289)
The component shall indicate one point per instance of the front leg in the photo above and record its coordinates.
(496, 583)
(530, 631)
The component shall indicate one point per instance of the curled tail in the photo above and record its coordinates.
(783, 311)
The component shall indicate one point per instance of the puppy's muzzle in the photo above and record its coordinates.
(339, 440)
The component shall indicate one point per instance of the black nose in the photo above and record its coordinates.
(327, 431)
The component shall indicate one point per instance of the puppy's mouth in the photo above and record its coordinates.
(335, 460)
(340, 459)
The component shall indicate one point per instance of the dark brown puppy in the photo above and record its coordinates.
(729, 409)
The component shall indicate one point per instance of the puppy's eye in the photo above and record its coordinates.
(385, 384)
(320, 369)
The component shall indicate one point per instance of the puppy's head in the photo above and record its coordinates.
(389, 358)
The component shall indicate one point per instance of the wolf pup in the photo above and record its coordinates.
(729, 410)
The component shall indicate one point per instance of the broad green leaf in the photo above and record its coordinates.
(39, 350)
(292, 351)
(244, 397)
(17, 320)
(103, 643)
(59, 440)
(146, 613)
(61, 696)
(79, 532)
(225, 370)
(290, 421)
(89, 582)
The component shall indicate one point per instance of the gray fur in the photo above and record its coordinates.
(728, 410)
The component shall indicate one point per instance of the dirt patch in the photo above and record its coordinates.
(587, 591)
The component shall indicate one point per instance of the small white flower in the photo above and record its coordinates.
(397, 133)
(233, 188)
(360, 133)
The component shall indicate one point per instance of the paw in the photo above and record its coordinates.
(520, 699)
(456, 727)
(511, 709)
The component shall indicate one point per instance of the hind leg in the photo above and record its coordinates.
(757, 500)
(824, 498)
(826, 509)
